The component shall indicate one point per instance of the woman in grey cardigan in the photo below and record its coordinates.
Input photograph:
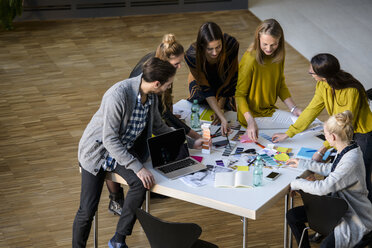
(345, 179)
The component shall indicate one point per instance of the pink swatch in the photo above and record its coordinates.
(245, 139)
(197, 158)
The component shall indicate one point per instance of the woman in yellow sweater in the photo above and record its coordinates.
(261, 78)
(336, 91)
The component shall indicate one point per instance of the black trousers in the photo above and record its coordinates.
(91, 188)
(364, 140)
(296, 218)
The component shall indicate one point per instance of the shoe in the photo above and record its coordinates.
(116, 203)
(115, 207)
(316, 238)
(113, 244)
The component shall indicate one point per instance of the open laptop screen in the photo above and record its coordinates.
(169, 147)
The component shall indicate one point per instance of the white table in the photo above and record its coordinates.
(245, 202)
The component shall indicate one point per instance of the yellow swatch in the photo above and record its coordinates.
(282, 149)
(243, 168)
(206, 115)
(281, 157)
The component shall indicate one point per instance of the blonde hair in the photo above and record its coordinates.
(341, 125)
(169, 47)
(272, 28)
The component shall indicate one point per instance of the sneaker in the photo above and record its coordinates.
(115, 207)
(316, 238)
(113, 244)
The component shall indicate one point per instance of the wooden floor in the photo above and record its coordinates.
(52, 77)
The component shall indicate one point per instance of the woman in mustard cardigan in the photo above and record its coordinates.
(336, 91)
(261, 78)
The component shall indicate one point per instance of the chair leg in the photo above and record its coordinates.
(95, 229)
(302, 236)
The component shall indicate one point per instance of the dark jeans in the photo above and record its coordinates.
(297, 218)
(91, 188)
(364, 140)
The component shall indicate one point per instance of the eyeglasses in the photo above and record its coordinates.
(312, 73)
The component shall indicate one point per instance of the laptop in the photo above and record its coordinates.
(170, 155)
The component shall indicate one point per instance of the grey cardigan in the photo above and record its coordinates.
(104, 133)
(347, 181)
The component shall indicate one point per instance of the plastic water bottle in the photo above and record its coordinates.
(195, 118)
(257, 172)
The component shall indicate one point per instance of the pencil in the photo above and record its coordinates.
(259, 145)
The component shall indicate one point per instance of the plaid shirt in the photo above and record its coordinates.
(135, 126)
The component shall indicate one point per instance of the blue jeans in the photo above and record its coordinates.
(91, 188)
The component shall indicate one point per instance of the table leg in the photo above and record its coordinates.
(285, 220)
(290, 231)
(245, 231)
(95, 229)
(147, 201)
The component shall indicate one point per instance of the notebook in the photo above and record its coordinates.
(170, 155)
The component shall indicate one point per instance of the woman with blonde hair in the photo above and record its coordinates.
(213, 64)
(344, 179)
(261, 78)
(336, 91)
(172, 51)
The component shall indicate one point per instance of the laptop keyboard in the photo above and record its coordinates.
(177, 165)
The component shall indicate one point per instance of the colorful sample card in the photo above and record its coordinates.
(238, 151)
(245, 139)
(220, 163)
(266, 137)
(243, 168)
(282, 157)
(237, 135)
(227, 151)
(269, 161)
(282, 149)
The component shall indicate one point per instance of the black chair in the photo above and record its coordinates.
(162, 234)
(324, 214)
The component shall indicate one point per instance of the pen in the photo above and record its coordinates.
(250, 163)
(311, 151)
(259, 145)
(227, 137)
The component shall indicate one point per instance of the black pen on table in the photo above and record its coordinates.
(228, 141)
(250, 163)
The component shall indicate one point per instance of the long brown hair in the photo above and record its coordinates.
(209, 32)
(270, 27)
(167, 48)
(327, 66)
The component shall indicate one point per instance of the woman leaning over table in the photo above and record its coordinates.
(344, 180)
(213, 64)
(336, 91)
(261, 77)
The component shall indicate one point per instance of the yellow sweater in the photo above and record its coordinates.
(345, 99)
(259, 86)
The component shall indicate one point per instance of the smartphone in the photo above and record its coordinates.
(273, 175)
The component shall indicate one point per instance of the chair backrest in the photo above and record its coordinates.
(162, 234)
(323, 212)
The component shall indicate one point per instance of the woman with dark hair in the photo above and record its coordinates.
(261, 78)
(213, 64)
(336, 91)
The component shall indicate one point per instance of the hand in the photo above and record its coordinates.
(293, 162)
(297, 112)
(225, 128)
(215, 119)
(279, 137)
(311, 177)
(199, 143)
(146, 177)
(252, 130)
(317, 157)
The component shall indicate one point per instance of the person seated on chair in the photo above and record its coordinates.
(172, 51)
(261, 78)
(115, 140)
(345, 179)
(213, 64)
